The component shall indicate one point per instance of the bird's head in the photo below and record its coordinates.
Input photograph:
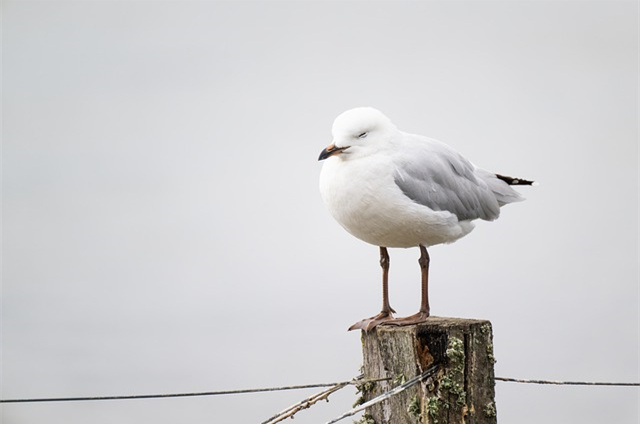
(357, 131)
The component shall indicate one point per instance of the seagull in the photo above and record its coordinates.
(394, 189)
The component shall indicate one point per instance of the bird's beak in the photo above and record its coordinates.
(331, 150)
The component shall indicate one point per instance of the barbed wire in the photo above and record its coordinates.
(296, 387)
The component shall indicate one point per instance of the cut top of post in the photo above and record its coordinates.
(462, 391)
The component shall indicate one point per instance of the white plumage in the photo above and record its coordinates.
(394, 189)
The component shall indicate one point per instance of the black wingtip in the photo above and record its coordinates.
(515, 181)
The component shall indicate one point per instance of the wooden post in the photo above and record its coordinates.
(461, 392)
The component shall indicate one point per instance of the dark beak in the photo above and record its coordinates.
(331, 150)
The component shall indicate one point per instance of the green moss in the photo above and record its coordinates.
(455, 348)
(454, 388)
(366, 419)
(414, 409)
(486, 329)
(455, 354)
(490, 409)
(364, 389)
(490, 355)
(433, 408)
(399, 379)
(452, 383)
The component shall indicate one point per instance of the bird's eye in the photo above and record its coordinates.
(363, 135)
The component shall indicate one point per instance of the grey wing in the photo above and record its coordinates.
(443, 180)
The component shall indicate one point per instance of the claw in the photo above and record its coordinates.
(410, 320)
(369, 324)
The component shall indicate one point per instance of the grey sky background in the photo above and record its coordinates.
(162, 229)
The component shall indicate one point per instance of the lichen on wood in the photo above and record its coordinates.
(366, 419)
(462, 387)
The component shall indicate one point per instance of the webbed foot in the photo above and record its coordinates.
(368, 324)
(410, 320)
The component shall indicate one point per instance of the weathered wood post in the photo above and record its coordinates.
(462, 390)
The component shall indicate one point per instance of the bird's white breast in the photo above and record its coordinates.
(362, 196)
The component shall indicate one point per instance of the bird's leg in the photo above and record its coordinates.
(424, 267)
(384, 264)
(423, 314)
(386, 314)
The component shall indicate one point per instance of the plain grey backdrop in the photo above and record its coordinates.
(162, 229)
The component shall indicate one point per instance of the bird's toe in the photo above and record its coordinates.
(369, 324)
(410, 320)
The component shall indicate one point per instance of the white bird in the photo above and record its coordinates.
(394, 189)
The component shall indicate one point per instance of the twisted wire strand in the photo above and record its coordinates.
(190, 394)
(565, 383)
(297, 387)
(398, 389)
